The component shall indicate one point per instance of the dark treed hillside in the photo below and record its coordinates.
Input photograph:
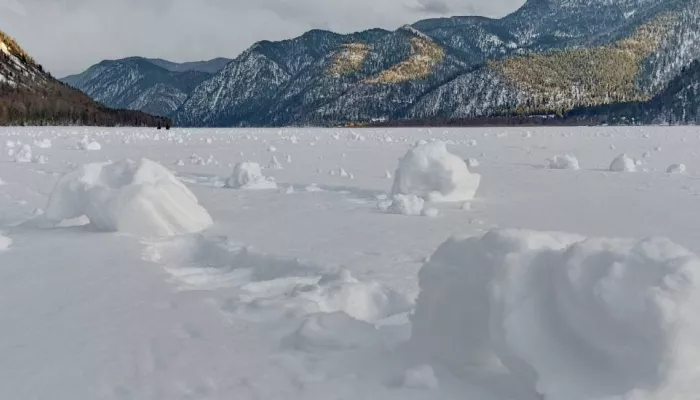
(30, 96)
(679, 103)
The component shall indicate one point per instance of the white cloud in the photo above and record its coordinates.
(69, 35)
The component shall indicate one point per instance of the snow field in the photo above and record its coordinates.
(320, 299)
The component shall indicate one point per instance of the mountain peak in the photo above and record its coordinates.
(9, 46)
(415, 32)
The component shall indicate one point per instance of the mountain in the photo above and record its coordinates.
(210, 67)
(678, 103)
(30, 96)
(550, 56)
(157, 87)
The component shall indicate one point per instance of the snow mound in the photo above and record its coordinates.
(623, 163)
(333, 331)
(248, 175)
(367, 301)
(140, 198)
(43, 144)
(5, 243)
(274, 164)
(406, 205)
(431, 172)
(570, 318)
(422, 377)
(564, 161)
(24, 155)
(87, 144)
(676, 169)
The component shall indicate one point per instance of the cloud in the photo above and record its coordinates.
(434, 7)
(67, 36)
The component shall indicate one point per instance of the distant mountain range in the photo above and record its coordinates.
(552, 57)
(30, 96)
(155, 86)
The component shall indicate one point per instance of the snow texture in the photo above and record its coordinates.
(140, 198)
(568, 317)
(431, 172)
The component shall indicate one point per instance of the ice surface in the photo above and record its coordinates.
(137, 197)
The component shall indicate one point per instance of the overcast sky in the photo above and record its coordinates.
(67, 36)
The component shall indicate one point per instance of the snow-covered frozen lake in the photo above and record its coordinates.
(309, 291)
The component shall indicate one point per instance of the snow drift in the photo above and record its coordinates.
(431, 172)
(141, 198)
(248, 175)
(567, 317)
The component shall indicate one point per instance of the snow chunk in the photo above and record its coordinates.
(571, 318)
(333, 331)
(248, 175)
(431, 172)
(406, 204)
(422, 377)
(368, 301)
(43, 144)
(5, 243)
(676, 169)
(274, 164)
(24, 155)
(623, 163)
(430, 212)
(87, 144)
(565, 161)
(141, 198)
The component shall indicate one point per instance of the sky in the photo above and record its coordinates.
(68, 36)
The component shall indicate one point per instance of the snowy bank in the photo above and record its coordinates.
(567, 317)
(431, 172)
(141, 198)
(248, 175)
